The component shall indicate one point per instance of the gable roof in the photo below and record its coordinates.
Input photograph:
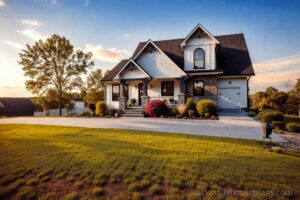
(232, 56)
(135, 64)
(198, 30)
(16, 107)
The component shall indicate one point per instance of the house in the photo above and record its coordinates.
(78, 102)
(200, 66)
(16, 107)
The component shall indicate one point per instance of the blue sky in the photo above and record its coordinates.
(112, 30)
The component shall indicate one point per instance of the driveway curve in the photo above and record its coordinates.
(234, 124)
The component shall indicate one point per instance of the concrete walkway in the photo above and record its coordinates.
(233, 124)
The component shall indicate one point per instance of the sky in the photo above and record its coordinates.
(112, 29)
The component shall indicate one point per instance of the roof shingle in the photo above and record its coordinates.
(233, 56)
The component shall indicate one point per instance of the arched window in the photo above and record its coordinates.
(199, 58)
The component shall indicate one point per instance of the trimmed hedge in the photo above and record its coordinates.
(101, 108)
(155, 108)
(267, 116)
(293, 127)
(289, 118)
(206, 106)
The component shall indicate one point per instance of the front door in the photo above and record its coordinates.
(141, 92)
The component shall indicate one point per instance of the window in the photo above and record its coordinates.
(198, 88)
(126, 91)
(199, 58)
(167, 88)
(115, 92)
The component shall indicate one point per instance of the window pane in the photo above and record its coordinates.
(115, 92)
(199, 58)
(167, 88)
(198, 88)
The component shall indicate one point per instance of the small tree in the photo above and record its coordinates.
(54, 64)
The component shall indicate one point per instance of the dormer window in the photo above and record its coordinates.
(199, 59)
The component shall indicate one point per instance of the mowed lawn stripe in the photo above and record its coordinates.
(127, 156)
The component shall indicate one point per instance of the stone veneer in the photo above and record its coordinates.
(210, 88)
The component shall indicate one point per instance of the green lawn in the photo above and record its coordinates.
(49, 162)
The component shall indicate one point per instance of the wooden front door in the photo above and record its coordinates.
(141, 92)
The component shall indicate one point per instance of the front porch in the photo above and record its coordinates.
(136, 93)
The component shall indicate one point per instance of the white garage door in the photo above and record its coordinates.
(229, 98)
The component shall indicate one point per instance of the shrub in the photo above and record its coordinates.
(92, 107)
(71, 196)
(101, 108)
(78, 184)
(155, 189)
(155, 108)
(293, 127)
(190, 105)
(207, 115)
(173, 112)
(191, 113)
(264, 111)
(278, 131)
(289, 118)
(98, 191)
(206, 106)
(177, 116)
(181, 109)
(136, 196)
(268, 117)
(112, 112)
(119, 112)
(133, 101)
(278, 124)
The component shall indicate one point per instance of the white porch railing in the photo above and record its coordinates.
(166, 99)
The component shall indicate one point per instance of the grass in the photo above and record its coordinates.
(142, 160)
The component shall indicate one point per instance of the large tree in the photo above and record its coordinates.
(54, 64)
(95, 88)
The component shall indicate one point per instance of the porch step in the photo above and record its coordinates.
(133, 115)
(134, 111)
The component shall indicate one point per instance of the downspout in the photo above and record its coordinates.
(248, 103)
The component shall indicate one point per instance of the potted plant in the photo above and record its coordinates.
(132, 101)
(171, 100)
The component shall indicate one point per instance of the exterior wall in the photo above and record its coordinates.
(78, 104)
(236, 83)
(154, 89)
(210, 88)
(108, 98)
(159, 65)
(130, 74)
(208, 45)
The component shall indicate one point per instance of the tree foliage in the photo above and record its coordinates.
(54, 64)
(287, 103)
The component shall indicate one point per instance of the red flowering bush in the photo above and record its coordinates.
(92, 107)
(155, 108)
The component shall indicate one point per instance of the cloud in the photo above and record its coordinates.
(275, 72)
(33, 34)
(277, 64)
(7, 91)
(110, 55)
(2, 3)
(31, 22)
(13, 44)
(126, 36)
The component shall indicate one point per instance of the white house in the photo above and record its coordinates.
(200, 66)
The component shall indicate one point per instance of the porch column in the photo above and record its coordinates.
(122, 100)
(181, 95)
(144, 98)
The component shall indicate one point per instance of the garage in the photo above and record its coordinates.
(229, 98)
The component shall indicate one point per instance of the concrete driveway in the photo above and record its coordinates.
(235, 124)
